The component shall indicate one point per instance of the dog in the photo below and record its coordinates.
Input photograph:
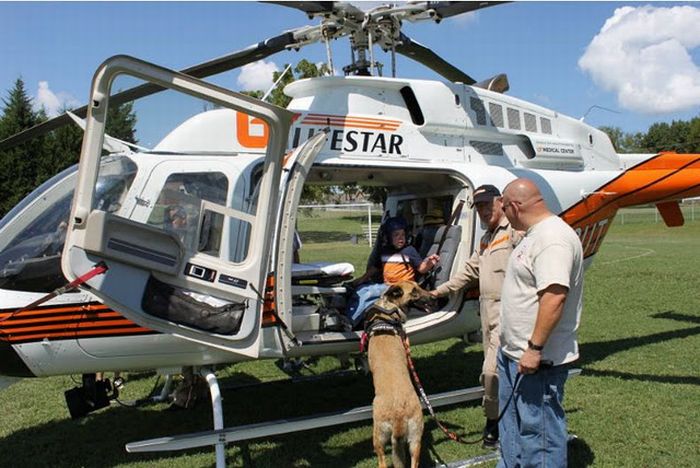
(396, 410)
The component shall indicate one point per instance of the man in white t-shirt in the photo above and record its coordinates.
(540, 313)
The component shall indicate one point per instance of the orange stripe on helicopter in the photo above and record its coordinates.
(71, 326)
(662, 178)
(347, 121)
(64, 318)
(93, 319)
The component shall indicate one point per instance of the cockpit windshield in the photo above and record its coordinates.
(31, 261)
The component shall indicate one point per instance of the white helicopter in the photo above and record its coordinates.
(224, 288)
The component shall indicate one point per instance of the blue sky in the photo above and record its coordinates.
(645, 64)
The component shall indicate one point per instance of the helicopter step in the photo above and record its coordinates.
(219, 437)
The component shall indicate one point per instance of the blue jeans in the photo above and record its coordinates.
(364, 296)
(533, 428)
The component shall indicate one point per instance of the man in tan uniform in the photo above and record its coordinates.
(487, 267)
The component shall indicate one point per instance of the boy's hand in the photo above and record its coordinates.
(432, 261)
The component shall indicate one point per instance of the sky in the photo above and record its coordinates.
(621, 64)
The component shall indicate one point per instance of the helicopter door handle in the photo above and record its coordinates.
(200, 272)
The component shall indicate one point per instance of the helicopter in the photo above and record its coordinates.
(237, 171)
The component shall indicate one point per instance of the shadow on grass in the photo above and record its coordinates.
(597, 351)
(100, 438)
(579, 453)
(318, 237)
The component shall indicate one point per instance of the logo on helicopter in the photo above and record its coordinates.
(349, 134)
(355, 135)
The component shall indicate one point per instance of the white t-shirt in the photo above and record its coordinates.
(550, 253)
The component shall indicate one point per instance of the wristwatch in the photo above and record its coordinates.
(532, 345)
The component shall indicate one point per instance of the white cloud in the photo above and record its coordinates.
(53, 103)
(643, 55)
(257, 76)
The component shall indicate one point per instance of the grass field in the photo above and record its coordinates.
(636, 403)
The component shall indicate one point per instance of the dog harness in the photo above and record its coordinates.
(382, 321)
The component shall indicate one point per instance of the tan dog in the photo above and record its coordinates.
(396, 410)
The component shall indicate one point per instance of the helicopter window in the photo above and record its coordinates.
(178, 205)
(546, 125)
(247, 201)
(32, 260)
(496, 112)
(477, 106)
(513, 119)
(113, 182)
(530, 122)
(412, 105)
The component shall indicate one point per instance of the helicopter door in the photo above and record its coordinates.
(298, 169)
(156, 277)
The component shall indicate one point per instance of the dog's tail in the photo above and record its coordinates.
(399, 451)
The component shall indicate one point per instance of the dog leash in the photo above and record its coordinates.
(423, 396)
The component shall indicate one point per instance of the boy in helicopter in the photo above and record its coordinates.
(396, 260)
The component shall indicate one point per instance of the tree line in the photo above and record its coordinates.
(681, 136)
(26, 166)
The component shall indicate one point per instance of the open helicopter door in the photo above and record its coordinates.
(297, 168)
(149, 267)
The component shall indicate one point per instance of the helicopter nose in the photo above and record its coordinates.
(11, 364)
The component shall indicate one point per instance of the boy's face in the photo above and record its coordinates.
(398, 239)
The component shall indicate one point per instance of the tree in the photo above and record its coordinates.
(18, 167)
(304, 69)
(121, 122)
(665, 137)
(616, 136)
(624, 142)
(693, 141)
(26, 166)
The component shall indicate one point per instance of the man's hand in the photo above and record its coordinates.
(434, 293)
(529, 362)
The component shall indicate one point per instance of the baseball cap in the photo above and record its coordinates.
(485, 193)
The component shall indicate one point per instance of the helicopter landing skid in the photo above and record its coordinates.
(221, 436)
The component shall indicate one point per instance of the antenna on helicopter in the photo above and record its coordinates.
(595, 106)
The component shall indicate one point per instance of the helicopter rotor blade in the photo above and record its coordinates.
(430, 59)
(310, 8)
(228, 62)
(448, 9)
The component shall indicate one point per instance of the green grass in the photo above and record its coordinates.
(637, 402)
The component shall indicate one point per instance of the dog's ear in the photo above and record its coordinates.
(394, 292)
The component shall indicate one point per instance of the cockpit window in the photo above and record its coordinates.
(32, 260)
(113, 182)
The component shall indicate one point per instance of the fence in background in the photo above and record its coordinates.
(649, 214)
(366, 229)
